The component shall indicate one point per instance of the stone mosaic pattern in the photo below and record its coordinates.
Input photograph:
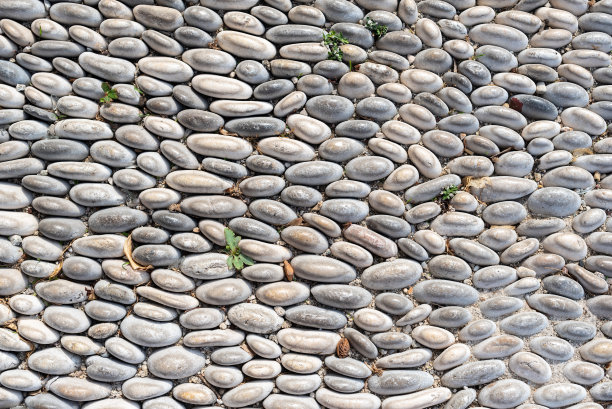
(305, 204)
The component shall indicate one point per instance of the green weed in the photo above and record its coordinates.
(109, 93)
(378, 30)
(333, 41)
(235, 259)
(448, 192)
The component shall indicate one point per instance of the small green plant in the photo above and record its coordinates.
(333, 41)
(138, 90)
(40, 31)
(109, 93)
(235, 259)
(477, 56)
(378, 30)
(448, 192)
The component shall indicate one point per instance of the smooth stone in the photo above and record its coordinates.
(524, 323)
(555, 306)
(559, 394)
(149, 333)
(286, 149)
(433, 337)
(450, 317)
(301, 364)
(245, 45)
(45, 399)
(327, 270)
(530, 366)
(315, 317)
(308, 342)
(175, 362)
(452, 356)
(434, 396)
(505, 393)
(213, 206)
(445, 292)
(343, 384)
(474, 373)
(108, 370)
(599, 306)
(225, 377)
(391, 275)
(335, 400)
(457, 224)
(597, 350)
(341, 296)
(583, 373)
(243, 316)
(392, 303)
(78, 390)
(313, 173)
(552, 348)
(278, 401)
(224, 292)
(330, 109)
(145, 388)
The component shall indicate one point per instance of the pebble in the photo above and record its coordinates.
(474, 373)
(79, 390)
(308, 342)
(445, 292)
(334, 400)
(559, 394)
(552, 348)
(597, 350)
(524, 324)
(499, 346)
(432, 396)
(504, 393)
(530, 367)
(175, 362)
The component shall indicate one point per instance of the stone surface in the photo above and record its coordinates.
(249, 203)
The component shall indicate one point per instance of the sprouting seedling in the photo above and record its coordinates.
(110, 94)
(40, 30)
(448, 192)
(477, 56)
(235, 259)
(378, 30)
(333, 41)
(138, 90)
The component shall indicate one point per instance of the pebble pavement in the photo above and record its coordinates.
(312, 204)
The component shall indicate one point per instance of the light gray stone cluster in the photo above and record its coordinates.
(424, 187)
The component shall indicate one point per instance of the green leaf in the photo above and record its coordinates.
(378, 30)
(448, 192)
(246, 260)
(230, 261)
(106, 87)
(238, 262)
(230, 238)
